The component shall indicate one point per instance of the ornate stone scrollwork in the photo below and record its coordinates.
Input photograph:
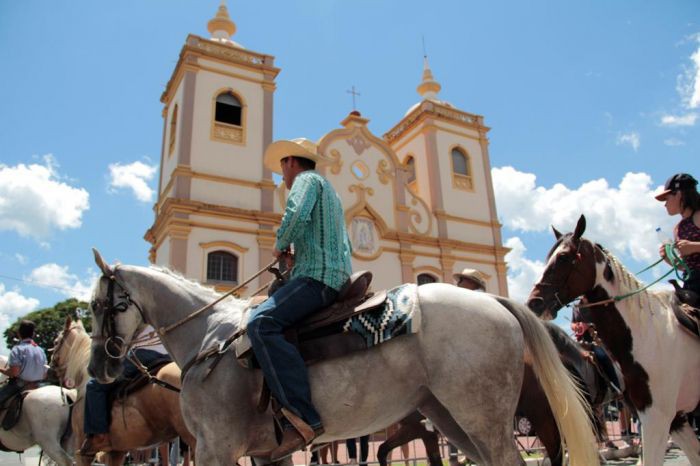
(384, 171)
(228, 133)
(334, 161)
(419, 216)
(358, 142)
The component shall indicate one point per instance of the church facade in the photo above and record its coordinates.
(418, 200)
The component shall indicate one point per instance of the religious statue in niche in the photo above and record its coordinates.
(363, 236)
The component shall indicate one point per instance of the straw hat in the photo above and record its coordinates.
(300, 147)
(473, 275)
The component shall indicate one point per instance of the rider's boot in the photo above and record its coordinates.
(95, 443)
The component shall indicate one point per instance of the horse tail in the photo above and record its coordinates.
(571, 412)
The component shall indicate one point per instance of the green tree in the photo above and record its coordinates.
(49, 322)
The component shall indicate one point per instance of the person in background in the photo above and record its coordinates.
(27, 363)
(470, 279)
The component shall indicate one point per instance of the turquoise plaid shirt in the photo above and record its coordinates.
(314, 222)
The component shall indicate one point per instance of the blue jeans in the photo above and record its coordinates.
(281, 363)
(97, 407)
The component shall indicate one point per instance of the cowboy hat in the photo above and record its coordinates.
(473, 275)
(300, 147)
(677, 182)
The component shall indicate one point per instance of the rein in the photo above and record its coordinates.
(678, 266)
(164, 330)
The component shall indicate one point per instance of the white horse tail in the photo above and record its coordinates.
(571, 411)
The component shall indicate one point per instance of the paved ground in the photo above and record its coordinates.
(31, 458)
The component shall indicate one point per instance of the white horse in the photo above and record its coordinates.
(462, 369)
(659, 360)
(43, 422)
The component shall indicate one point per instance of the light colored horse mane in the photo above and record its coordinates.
(78, 356)
(648, 303)
(234, 306)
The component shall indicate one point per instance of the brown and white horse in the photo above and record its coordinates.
(660, 361)
(145, 418)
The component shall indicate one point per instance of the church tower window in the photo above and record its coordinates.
(222, 267)
(461, 170)
(228, 109)
(410, 163)
(229, 117)
(173, 131)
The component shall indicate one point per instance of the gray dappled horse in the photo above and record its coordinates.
(462, 369)
(43, 422)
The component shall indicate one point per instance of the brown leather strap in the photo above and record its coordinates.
(305, 430)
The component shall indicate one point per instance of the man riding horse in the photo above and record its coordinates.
(27, 364)
(314, 224)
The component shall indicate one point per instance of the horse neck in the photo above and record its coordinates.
(78, 358)
(167, 299)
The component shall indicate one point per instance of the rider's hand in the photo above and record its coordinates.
(686, 247)
(662, 251)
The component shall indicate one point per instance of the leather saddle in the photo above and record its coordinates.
(686, 307)
(320, 336)
(128, 386)
(11, 410)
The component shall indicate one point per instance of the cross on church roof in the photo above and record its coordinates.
(354, 93)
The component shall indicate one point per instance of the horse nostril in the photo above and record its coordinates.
(536, 304)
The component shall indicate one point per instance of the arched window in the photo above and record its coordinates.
(424, 278)
(411, 167)
(173, 131)
(228, 109)
(461, 170)
(222, 266)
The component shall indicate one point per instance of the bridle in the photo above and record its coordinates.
(558, 287)
(115, 346)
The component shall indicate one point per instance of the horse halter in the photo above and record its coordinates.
(557, 287)
(115, 346)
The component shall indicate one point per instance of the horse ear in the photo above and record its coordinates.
(68, 323)
(104, 267)
(557, 234)
(580, 227)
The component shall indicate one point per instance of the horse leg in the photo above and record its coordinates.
(445, 423)
(115, 458)
(685, 438)
(489, 444)
(655, 431)
(432, 447)
(534, 406)
(406, 432)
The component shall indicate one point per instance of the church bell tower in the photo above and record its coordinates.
(214, 215)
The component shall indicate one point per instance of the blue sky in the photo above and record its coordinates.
(592, 106)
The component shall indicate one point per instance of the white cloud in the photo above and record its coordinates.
(34, 200)
(134, 176)
(12, 306)
(522, 272)
(680, 120)
(689, 81)
(631, 139)
(674, 142)
(62, 281)
(622, 218)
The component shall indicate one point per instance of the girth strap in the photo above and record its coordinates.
(216, 351)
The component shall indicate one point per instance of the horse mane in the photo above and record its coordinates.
(78, 355)
(202, 291)
(627, 282)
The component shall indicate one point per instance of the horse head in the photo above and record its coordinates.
(116, 320)
(70, 353)
(570, 271)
